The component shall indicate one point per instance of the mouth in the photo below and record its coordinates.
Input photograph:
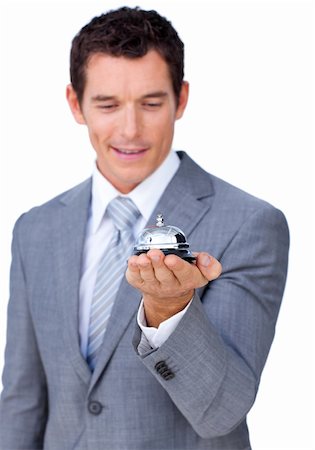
(129, 152)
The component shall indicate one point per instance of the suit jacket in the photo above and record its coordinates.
(193, 392)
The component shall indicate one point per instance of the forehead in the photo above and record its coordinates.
(113, 73)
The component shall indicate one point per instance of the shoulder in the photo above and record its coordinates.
(221, 193)
(43, 215)
(240, 211)
(228, 210)
(242, 206)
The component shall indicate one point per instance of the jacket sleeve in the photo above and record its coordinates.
(211, 364)
(23, 403)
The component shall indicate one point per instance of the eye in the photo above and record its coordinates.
(152, 105)
(108, 107)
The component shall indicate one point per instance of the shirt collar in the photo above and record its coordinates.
(145, 196)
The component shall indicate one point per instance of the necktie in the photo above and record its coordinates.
(112, 267)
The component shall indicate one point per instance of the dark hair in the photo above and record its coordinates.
(128, 32)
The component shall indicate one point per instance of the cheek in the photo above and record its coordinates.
(166, 133)
(161, 129)
(99, 129)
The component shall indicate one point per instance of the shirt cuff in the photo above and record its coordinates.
(157, 336)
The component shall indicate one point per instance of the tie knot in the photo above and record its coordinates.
(123, 212)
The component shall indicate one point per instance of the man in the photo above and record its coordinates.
(170, 356)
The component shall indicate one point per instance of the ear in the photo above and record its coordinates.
(183, 99)
(74, 104)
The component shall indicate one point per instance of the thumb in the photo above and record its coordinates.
(208, 265)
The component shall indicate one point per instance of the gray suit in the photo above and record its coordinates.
(216, 354)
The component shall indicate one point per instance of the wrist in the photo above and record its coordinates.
(157, 310)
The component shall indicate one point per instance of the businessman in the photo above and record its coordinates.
(154, 353)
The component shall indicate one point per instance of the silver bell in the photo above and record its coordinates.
(167, 238)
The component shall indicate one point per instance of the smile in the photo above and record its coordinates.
(126, 151)
(130, 152)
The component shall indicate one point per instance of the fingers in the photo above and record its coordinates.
(207, 268)
(186, 273)
(145, 268)
(133, 273)
(162, 272)
(154, 272)
(148, 269)
(208, 265)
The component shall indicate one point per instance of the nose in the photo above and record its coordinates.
(131, 123)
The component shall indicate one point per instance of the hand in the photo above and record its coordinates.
(167, 283)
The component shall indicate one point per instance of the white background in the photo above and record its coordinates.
(250, 121)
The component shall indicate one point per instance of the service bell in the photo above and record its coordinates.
(167, 238)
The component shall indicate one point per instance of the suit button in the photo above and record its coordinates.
(168, 375)
(95, 407)
(162, 368)
(159, 366)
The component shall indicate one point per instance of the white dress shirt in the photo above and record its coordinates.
(99, 231)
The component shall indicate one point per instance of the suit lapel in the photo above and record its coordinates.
(185, 201)
(68, 235)
(187, 198)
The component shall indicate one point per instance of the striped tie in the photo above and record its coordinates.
(124, 214)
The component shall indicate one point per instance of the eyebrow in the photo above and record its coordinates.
(103, 98)
(157, 94)
(106, 98)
